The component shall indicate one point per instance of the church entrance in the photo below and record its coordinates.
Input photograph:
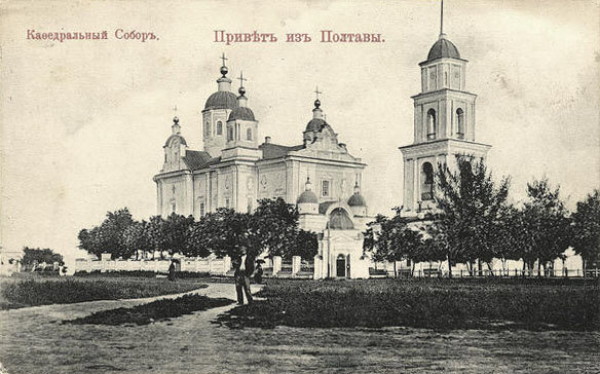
(340, 265)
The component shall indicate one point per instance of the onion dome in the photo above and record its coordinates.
(223, 98)
(443, 48)
(357, 200)
(242, 112)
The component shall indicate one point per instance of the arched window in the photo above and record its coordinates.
(219, 128)
(229, 133)
(207, 129)
(249, 134)
(431, 124)
(460, 120)
(427, 182)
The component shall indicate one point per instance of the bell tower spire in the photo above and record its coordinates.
(442, 20)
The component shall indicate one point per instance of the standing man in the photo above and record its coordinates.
(244, 267)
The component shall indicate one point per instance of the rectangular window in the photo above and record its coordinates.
(325, 189)
(227, 203)
(201, 209)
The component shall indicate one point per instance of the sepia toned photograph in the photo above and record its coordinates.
(225, 186)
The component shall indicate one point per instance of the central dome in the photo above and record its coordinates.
(221, 100)
(443, 48)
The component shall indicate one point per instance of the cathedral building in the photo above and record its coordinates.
(444, 124)
(234, 171)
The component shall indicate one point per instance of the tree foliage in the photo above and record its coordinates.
(586, 228)
(38, 255)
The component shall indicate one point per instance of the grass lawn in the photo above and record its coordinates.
(443, 304)
(17, 292)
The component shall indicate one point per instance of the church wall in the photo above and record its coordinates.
(175, 193)
(200, 194)
(272, 181)
(225, 191)
(246, 193)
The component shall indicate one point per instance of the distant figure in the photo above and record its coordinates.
(258, 273)
(172, 270)
(244, 267)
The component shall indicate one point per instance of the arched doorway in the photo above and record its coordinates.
(340, 266)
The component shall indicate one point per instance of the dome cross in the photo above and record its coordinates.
(223, 58)
(318, 92)
(242, 79)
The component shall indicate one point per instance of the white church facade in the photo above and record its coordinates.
(234, 171)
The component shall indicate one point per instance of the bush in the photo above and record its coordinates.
(427, 303)
(155, 311)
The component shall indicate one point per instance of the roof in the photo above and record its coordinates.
(243, 113)
(271, 151)
(443, 48)
(308, 197)
(199, 159)
(315, 125)
(324, 206)
(181, 138)
(221, 100)
(357, 200)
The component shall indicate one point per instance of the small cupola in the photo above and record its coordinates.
(308, 202)
(357, 202)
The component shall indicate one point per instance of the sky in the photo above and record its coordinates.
(83, 122)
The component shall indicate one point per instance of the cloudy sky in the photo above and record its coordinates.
(84, 121)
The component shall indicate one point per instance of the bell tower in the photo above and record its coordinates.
(444, 123)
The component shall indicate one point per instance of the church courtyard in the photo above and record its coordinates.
(35, 339)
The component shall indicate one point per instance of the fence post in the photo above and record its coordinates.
(276, 265)
(296, 264)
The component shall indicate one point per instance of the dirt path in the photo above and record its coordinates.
(34, 340)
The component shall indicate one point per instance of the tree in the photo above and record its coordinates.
(137, 238)
(109, 237)
(175, 232)
(471, 208)
(586, 228)
(546, 230)
(34, 256)
(197, 240)
(274, 227)
(392, 239)
(306, 246)
(226, 233)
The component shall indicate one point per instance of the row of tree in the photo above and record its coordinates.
(474, 224)
(273, 227)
